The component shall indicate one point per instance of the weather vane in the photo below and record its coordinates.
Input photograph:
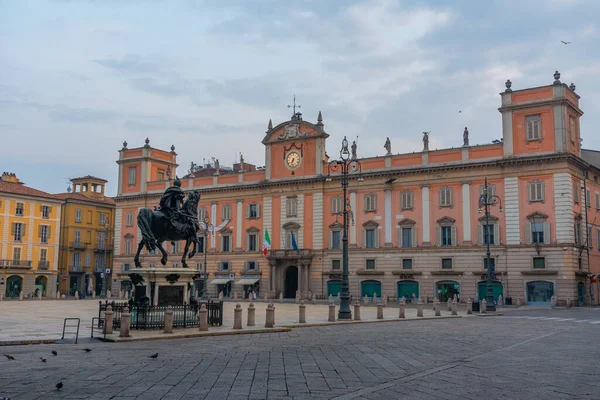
(294, 106)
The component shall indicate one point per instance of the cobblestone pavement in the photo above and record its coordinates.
(466, 358)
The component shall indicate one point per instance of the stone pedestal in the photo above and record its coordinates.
(357, 311)
(302, 312)
(454, 307)
(437, 307)
(380, 310)
(420, 308)
(237, 317)
(125, 323)
(169, 320)
(108, 321)
(402, 312)
(483, 306)
(203, 318)
(251, 315)
(270, 316)
(331, 311)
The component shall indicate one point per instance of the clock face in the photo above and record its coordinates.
(293, 159)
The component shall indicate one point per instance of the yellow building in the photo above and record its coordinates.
(29, 245)
(87, 228)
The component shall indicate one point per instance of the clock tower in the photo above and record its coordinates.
(295, 148)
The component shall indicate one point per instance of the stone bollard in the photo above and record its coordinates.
(1, 296)
(281, 297)
(221, 295)
(470, 306)
(77, 295)
(402, 313)
(237, 317)
(330, 297)
(314, 298)
(270, 316)
(62, 296)
(500, 301)
(169, 320)
(384, 298)
(449, 305)
(251, 315)
(331, 311)
(93, 295)
(553, 301)
(420, 308)
(437, 307)
(108, 294)
(234, 295)
(366, 300)
(519, 301)
(357, 311)
(120, 294)
(454, 307)
(374, 299)
(568, 302)
(339, 297)
(483, 306)
(380, 310)
(58, 295)
(203, 318)
(302, 312)
(414, 298)
(125, 323)
(298, 297)
(108, 321)
(266, 298)
(40, 295)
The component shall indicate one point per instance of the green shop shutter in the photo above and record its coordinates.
(407, 288)
(369, 288)
(496, 290)
(333, 288)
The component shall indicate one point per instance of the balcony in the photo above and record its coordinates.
(77, 246)
(43, 265)
(100, 269)
(76, 268)
(289, 254)
(15, 264)
(102, 248)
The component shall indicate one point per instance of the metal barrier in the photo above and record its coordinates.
(101, 323)
(65, 326)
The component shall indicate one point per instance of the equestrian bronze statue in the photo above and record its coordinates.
(174, 220)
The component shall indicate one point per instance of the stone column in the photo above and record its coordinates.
(425, 217)
(108, 321)
(125, 323)
(380, 310)
(420, 308)
(352, 228)
(237, 317)
(357, 311)
(307, 277)
(331, 311)
(203, 318)
(466, 212)
(302, 313)
(155, 300)
(300, 278)
(251, 315)
(169, 320)
(388, 217)
(270, 316)
(402, 313)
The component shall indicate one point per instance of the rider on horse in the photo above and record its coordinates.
(170, 204)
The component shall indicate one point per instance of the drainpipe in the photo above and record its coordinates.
(587, 247)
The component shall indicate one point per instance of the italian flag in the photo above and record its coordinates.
(266, 243)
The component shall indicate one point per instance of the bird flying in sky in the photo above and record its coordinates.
(563, 42)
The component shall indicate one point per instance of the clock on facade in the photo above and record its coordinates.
(293, 159)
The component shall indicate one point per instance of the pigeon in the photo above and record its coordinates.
(459, 111)
(54, 352)
(87, 350)
(565, 43)
(155, 355)
(59, 385)
(9, 357)
(43, 359)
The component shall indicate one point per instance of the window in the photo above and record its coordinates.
(336, 239)
(446, 197)
(101, 240)
(534, 127)
(76, 259)
(252, 242)
(77, 237)
(200, 246)
(160, 175)
(590, 238)
(370, 202)
(128, 246)
(202, 214)
(446, 263)
(44, 233)
(598, 238)
(45, 211)
(576, 192)
(132, 175)
(536, 191)
(370, 264)
(225, 242)
(17, 255)
(597, 196)
(446, 236)
(252, 211)
(580, 263)
(406, 200)
(537, 232)
(336, 205)
(572, 129)
(289, 229)
(488, 234)
(78, 215)
(43, 255)
(370, 242)
(88, 259)
(446, 232)
(251, 265)
(226, 212)
(19, 209)
(18, 231)
(100, 260)
(176, 247)
(578, 233)
(291, 206)
(125, 267)
(336, 265)
(129, 219)
(407, 237)
(224, 266)
(407, 263)
(492, 262)
(491, 192)
(539, 262)
(102, 219)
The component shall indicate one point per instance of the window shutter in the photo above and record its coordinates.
(247, 210)
(528, 233)
(364, 238)
(257, 210)
(49, 211)
(542, 191)
(377, 233)
(14, 228)
(41, 208)
(399, 236)
(438, 236)
(440, 196)
(48, 232)
(23, 232)
(453, 235)
(39, 231)
(496, 234)
(546, 233)
(330, 240)
(480, 234)
(414, 236)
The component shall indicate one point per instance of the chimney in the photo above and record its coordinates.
(10, 177)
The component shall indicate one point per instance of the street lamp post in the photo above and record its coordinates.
(485, 200)
(207, 229)
(345, 165)
(105, 245)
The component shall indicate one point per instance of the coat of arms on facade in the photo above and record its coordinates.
(292, 131)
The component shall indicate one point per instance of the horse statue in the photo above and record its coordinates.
(170, 222)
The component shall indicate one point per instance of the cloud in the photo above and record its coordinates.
(82, 115)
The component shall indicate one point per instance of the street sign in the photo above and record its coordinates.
(231, 276)
(107, 271)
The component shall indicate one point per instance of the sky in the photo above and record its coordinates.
(77, 78)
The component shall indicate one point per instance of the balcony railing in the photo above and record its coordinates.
(78, 245)
(16, 263)
(102, 247)
(100, 268)
(43, 264)
(290, 254)
(75, 268)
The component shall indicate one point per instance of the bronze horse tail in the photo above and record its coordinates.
(144, 220)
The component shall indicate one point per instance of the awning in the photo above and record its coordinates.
(220, 281)
(247, 281)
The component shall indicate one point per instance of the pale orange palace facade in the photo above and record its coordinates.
(415, 229)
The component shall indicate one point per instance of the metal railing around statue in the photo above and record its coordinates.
(153, 317)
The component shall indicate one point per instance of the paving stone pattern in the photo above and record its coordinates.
(466, 358)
